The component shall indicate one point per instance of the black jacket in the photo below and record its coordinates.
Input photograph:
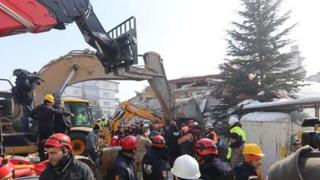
(44, 114)
(122, 167)
(216, 169)
(244, 171)
(62, 124)
(70, 169)
(155, 165)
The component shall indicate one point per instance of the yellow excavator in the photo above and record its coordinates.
(127, 112)
(79, 66)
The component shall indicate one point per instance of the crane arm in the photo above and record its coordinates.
(115, 49)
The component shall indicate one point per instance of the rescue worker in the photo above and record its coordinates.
(143, 144)
(211, 133)
(123, 166)
(155, 162)
(62, 165)
(118, 136)
(211, 167)
(92, 143)
(172, 137)
(104, 122)
(236, 144)
(236, 127)
(251, 167)
(237, 138)
(186, 167)
(81, 118)
(186, 142)
(62, 124)
(6, 170)
(194, 129)
(44, 114)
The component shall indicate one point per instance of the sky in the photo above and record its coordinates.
(188, 34)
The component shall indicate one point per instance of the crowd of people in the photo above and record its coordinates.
(184, 150)
(150, 151)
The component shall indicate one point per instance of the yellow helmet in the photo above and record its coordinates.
(49, 98)
(252, 149)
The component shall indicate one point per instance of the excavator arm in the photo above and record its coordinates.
(79, 66)
(128, 112)
(115, 49)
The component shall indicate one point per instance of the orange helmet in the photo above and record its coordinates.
(5, 168)
(158, 141)
(59, 140)
(206, 146)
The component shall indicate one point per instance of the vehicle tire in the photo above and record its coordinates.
(78, 142)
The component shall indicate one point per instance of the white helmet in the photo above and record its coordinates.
(186, 167)
(233, 120)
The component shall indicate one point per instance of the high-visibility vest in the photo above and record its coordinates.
(239, 131)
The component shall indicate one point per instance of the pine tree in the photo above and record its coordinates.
(255, 49)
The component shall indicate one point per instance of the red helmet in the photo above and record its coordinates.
(206, 146)
(158, 141)
(129, 142)
(5, 168)
(59, 140)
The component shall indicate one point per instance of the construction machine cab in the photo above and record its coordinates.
(81, 110)
(81, 123)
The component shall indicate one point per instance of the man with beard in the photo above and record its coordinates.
(62, 165)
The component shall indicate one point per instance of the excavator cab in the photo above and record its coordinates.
(81, 123)
(81, 110)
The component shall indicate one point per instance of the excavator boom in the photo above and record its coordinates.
(88, 67)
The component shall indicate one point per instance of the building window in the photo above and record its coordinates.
(106, 103)
(105, 94)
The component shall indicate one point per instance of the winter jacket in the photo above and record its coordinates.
(44, 114)
(70, 169)
(155, 165)
(122, 168)
(244, 171)
(216, 169)
(62, 124)
(186, 143)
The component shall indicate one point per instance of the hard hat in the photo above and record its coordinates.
(186, 167)
(59, 140)
(252, 149)
(158, 141)
(5, 168)
(206, 146)
(49, 98)
(233, 120)
(129, 142)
